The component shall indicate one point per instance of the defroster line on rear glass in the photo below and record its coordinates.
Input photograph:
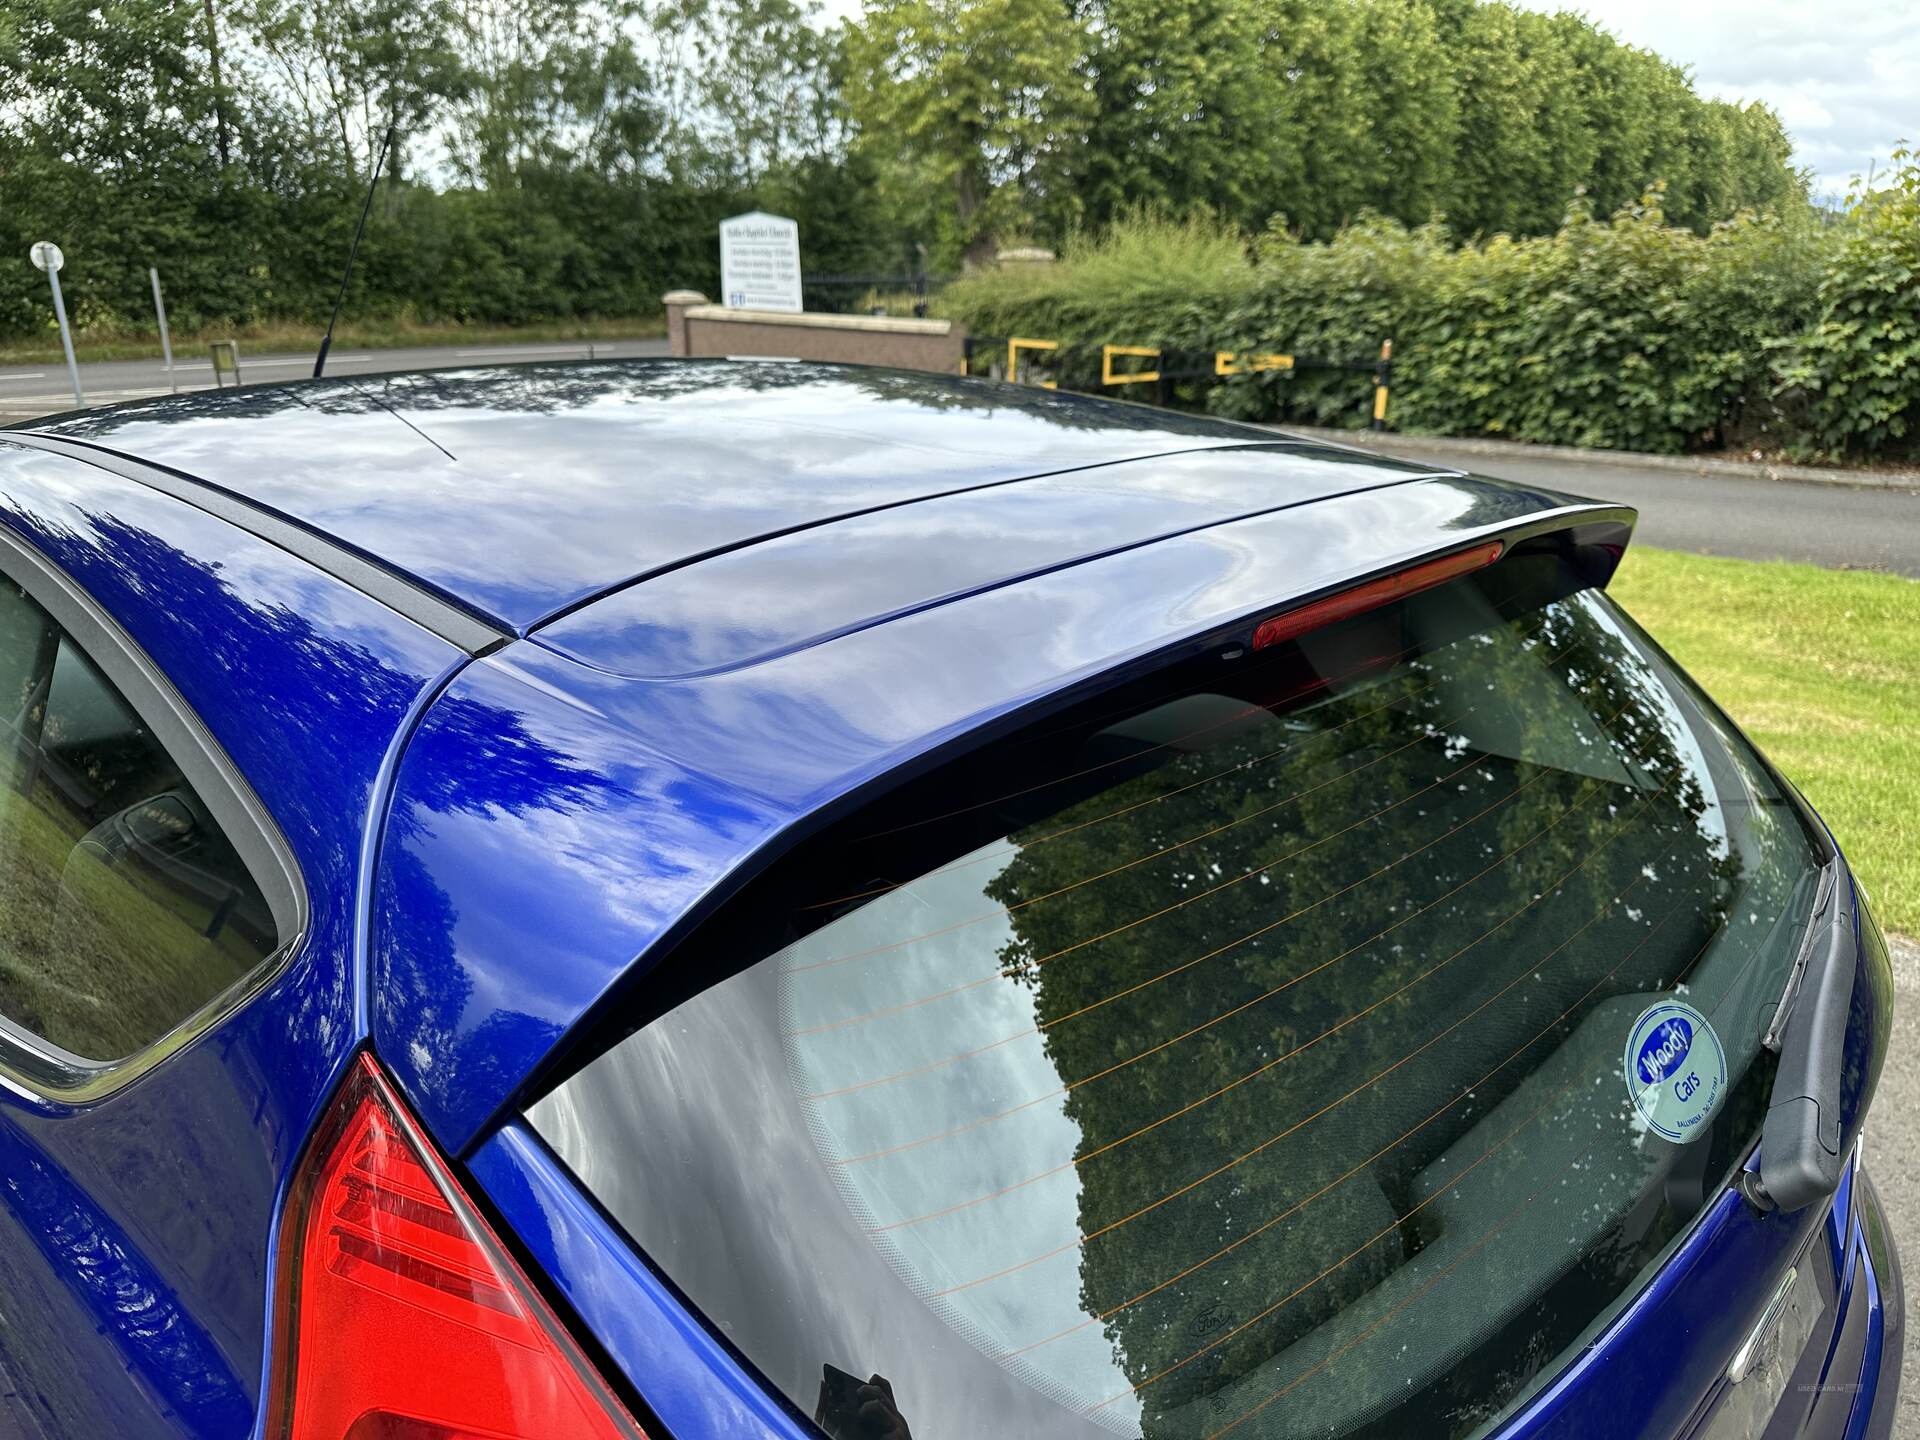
(1185, 965)
(1178, 740)
(1298, 1206)
(1270, 1065)
(1219, 950)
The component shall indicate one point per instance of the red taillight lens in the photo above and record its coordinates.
(400, 1316)
(1374, 594)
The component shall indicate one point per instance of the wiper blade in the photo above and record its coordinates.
(1783, 1007)
(1801, 1157)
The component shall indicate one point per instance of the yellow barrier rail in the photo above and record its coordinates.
(1227, 362)
(1111, 376)
(1014, 347)
(1171, 368)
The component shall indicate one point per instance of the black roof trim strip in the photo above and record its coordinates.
(426, 608)
(820, 522)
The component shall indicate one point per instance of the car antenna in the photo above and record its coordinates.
(326, 341)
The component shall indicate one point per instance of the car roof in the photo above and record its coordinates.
(522, 492)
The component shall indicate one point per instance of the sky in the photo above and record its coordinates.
(1844, 75)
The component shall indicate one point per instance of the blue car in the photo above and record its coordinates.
(760, 900)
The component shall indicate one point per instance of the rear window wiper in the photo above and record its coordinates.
(1801, 1157)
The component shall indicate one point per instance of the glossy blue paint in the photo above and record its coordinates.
(801, 588)
(817, 619)
(521, 490)
(1877, 1399)
(553, 820)
(1872, 1413)
(691, 1381)
(379, 801)
(134, 1230)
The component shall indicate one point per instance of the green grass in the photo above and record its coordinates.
(1822, 669)
(279, 336)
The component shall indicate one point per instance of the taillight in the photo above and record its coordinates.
(400, 1316)
(1374, 593)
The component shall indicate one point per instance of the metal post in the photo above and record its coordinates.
(1382, 380)
(66, 336)
(166, 341)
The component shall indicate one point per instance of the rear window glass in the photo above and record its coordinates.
(124, 908)
(1242, 1054)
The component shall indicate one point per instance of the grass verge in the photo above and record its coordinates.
(1822, 669)
(280, 336)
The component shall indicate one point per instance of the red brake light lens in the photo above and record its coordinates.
(1374, 593)
(399, 1315)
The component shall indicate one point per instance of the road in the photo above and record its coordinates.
(34, 390)
(1842, 527)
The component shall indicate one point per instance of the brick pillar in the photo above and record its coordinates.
(678, 302)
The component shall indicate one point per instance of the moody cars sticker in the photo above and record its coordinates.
(1676, 1070)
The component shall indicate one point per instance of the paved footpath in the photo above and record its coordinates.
(1843, 527)
(28, 391)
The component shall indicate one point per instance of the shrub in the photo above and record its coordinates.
(1623, 331)
(1853, 377)
(1147, 275)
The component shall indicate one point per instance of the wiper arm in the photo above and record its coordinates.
(1800, 1152)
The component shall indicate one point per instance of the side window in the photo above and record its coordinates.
(124, 906)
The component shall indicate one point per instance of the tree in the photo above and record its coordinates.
(550, 87)
(985, 99)
(350, 71)
(1188, 104)
(1852, 373)
(756, 92)
(111, 146)
(1524, 146)
(573, 157)
(1412, 122)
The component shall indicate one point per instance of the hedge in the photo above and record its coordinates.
(1801, 335)
(561, 245)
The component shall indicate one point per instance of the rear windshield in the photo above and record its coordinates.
(1247, 1052)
